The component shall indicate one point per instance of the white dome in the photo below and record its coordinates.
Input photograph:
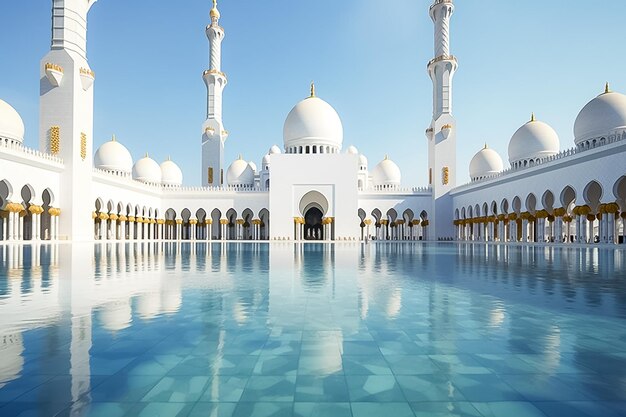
(266, 160)
(147, 170)
(253, 166)
(386, 173)
(485, 163)
(533, 140)
(362, 160)
(113, 156)
(171, 174)
(11, 124)
(313, 122)
(240, 174)
(352, 150)
(274, 150)
(602, 115)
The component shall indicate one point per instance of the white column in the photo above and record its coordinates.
(610, 221)
(11, 226)
(20, 230)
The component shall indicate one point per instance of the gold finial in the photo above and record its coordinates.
(169, 158)
(240, 157)
(113, 138)
(215, 14)
(606, 88)
(147, 156)
(312, 89)
(532, 117)
(485, 145)
(386, 157)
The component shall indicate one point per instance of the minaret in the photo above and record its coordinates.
(66, 115)
(213, 133)
(442, 131)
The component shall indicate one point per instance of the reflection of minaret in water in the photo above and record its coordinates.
(213, 133)
(442, 131)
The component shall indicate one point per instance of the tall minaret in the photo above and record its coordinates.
(66, 115)
(442, 131)
(213, 133)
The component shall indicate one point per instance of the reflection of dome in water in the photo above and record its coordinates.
(11, 359)
(116, 315)
(171, 299)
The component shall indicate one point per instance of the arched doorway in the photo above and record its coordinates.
(313, 229)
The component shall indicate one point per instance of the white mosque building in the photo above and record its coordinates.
(62, 192)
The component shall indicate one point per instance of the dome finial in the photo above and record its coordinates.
(113, 138)
(532, 117)
(147, 156)
(607, 88)
(485, 145)
(240, 157)
(312, 88)
(386, 157)
(215, 14)
(169, 158)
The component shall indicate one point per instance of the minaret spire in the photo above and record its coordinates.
(442, 131)
(214, 134)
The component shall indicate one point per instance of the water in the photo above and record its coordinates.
(166, 329)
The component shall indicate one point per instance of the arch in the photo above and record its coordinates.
(485, 209)
(568, 196)
(392, 215)
(457, 214)
(27, 193)
(470, 212)
(377, 215)
(201, 215)
(408, 215)
(264, 216)
(362, 215)
(477, 210)
(592, 194)
(313, 199)
(185, 214)
(619, 191)
(547, 200)
(463, 214)
(110, 206)
(170, 214)
(516, 205)
(6, 191)
(531, 203)
(120, 208)
(504, 206)
(247, 215)
(313, 229)
(424, 215)
(216, 229)
(494, 208)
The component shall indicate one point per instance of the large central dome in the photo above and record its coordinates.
(313, 126)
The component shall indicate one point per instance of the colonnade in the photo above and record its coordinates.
(398, 229)
(114, 227)
(581, 225)
(21, 223)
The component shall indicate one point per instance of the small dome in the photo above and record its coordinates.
(266, 160)
(240, 174)
(147, 170)
(362, 161)
(11, 124)
(602, 115)
(313, 122)
(171, 175)
(253, 166)
(352, 150)
(485, 163)
(533, 140)
(113, 156)
(386, 173)
(274, 150)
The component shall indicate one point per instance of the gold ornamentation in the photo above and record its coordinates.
(193, 221)
(532, 117)
(103, 216)
(208, 221)
(83, 145)
(131, 219)
(214, 72)
(446, 126)
(179, 221)
(425, 223)
(607, 89)
(114, 217)
(312, 89)
(445, 175)
(224, 221)
(53, 67)
(55, 140)
(87, 71)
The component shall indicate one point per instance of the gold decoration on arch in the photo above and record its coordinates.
(445, 175)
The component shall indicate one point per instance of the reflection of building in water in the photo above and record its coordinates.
(11, 359)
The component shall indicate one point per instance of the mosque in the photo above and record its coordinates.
(66, 191)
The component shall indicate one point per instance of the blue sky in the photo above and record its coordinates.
(368, 59)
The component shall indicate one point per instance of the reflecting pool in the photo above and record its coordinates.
(245, 329)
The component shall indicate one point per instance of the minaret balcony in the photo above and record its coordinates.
(87, 77)
(440, 58)
(54, 74)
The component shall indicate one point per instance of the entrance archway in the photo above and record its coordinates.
(313, 229)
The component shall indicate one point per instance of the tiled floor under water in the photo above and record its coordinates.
(222, 330)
